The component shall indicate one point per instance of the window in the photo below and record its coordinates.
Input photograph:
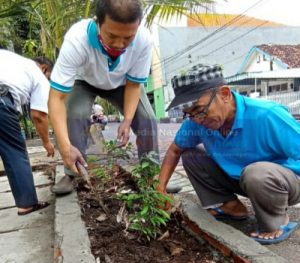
(278, 88)
(258, 59)
(283, 87)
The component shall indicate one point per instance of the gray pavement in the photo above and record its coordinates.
(30, 238)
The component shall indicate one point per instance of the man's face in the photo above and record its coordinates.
(209, 110)
(118, 35)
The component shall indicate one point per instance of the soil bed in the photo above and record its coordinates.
(110, 243)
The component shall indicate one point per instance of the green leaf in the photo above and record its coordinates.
(145, 210)
(163, 213)
(145, 165)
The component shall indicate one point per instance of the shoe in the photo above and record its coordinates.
(64, 186)
(287, 231)
(221, 215)
(173, 189)
(36, 207)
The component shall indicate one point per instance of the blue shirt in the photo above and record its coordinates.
(262, 131)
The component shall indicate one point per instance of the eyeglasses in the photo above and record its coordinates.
(202, 113)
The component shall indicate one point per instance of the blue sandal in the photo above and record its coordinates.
(287, 231)
(221, 215)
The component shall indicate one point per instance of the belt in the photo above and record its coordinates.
(4, 92)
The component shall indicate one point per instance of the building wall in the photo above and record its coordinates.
(159, 101)
(259, 62)
(156, 98)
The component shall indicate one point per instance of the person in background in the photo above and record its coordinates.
(108, 56)
(234, 145)
(98, 115)
(23, 81)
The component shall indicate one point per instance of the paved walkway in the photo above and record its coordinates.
(30, 238)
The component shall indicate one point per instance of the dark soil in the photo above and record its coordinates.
(110, 243)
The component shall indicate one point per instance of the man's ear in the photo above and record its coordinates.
(225, 93)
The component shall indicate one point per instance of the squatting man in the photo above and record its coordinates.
(235, 145)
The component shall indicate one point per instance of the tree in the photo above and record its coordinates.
(166, 9)
(48, 20)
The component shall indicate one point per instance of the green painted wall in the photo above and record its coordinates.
(149, 84)
(156, 97)
(159, 102)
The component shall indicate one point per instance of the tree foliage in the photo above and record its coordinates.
(38, 26)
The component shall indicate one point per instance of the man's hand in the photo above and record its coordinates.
(50, 149)
(123, 133)
(71, 157)
(162, 190)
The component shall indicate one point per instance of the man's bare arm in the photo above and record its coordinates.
(40, 120)
(168, 166)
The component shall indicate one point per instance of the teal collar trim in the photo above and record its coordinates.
(240, 109)
(92, 34)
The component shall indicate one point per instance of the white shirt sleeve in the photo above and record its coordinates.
(71, 56)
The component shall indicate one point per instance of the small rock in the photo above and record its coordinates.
(101, 218)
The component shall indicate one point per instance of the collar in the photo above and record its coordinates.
(92, 34)
(240, 110)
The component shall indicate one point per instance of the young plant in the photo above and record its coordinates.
(115, 153)
(146, 217)
(100, 172)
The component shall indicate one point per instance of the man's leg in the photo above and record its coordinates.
(144, 124)
(15, 158)
(79, 108)
(212, 185)
(271, 189)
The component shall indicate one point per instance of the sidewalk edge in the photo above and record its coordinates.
(71, 243)
(226, 239)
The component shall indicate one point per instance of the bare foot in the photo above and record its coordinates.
(233, 208)
(24, 209)
(270, 235)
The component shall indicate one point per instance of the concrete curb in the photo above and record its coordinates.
(72, 243)
(226, 239)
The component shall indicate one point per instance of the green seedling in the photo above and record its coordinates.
(146, 216)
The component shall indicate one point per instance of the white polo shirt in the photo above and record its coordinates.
(25, 79)
(82, 57)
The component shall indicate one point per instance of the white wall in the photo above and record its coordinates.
(257, 63)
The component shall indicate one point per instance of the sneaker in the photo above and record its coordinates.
(64, 186)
